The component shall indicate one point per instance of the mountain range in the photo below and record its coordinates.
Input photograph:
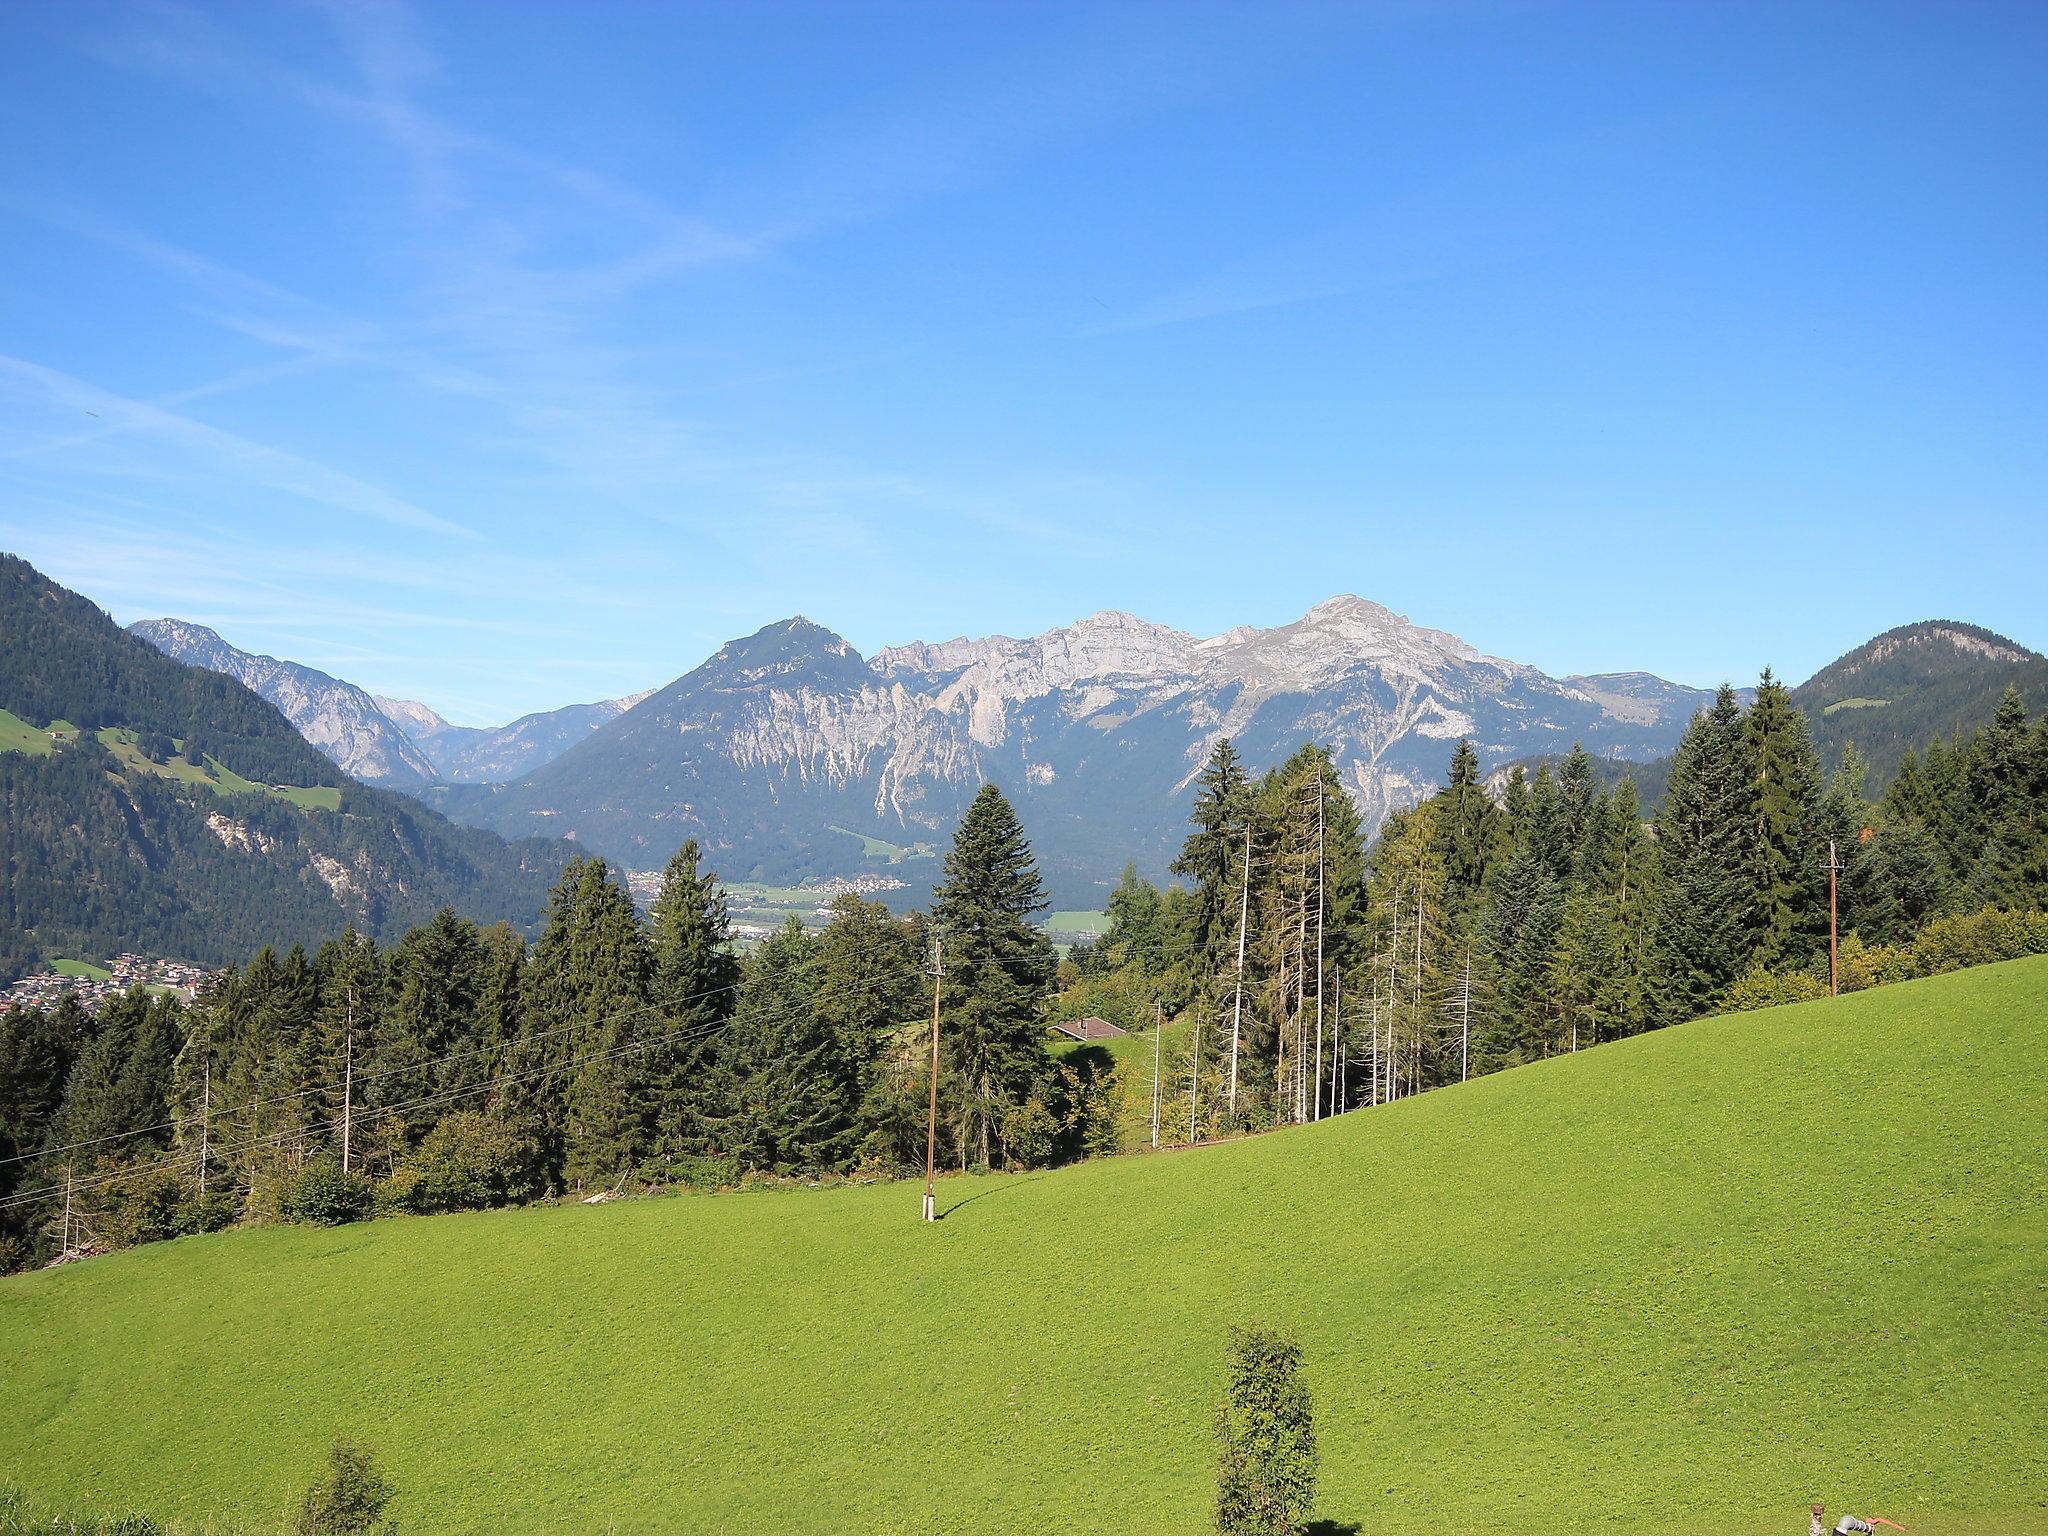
(788, 753)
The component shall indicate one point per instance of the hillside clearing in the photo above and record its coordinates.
(1684, 1283)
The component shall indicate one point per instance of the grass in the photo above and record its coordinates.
(213, 774)
(17, 735)
(1093, 924)
(879, 848)
(81, 970)
(1855, 704)
(1682, 1284)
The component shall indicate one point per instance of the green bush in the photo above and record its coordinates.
(469, 1162)
(157, 1203)
(1030, 1134)
(349, 1498)
(322, 1195)
(1265, 1428)
(1759, 988)
(399, 1195)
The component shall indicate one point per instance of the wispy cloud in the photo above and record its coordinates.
(207, 450)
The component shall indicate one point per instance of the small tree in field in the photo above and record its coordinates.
(1265, 1428)
(349, 1498)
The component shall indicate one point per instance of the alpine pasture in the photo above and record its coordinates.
(1683, 1283)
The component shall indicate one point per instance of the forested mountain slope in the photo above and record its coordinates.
(183, 815)
(1686, 1282)
(1909, 685)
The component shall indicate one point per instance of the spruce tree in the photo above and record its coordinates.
(695, 982)
(583, 1092)
(998, 968)
(1704, 848)
(1213, 856)
(788, 1090)
(1787, 908)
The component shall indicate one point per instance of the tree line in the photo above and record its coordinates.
(1491, 925)
(1310, 973)
(464, 1067)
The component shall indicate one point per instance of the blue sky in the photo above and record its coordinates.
(504, 356)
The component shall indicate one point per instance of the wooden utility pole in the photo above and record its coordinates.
(931, 1126)
(1244, 917)
(1465, 1025)
(1320, 896)
(1158, 1033)
(1834, 966)
(1195, 1087)
(348, 1078)
(1337, 1045)
(205, 1107)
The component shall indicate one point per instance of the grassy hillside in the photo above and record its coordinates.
(1685, 1283)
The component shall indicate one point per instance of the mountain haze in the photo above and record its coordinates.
(468, 754)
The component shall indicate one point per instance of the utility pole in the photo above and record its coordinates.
(1320, 895)
(1834, 968)
(1337, 1047)
(348, 1078)
(931, 1126)
(1465, 1028)
(1158, 1031)
(1195, 1087)
(1244, 916)
(65, 1245)
(205, 1106)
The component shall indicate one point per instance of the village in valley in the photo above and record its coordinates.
(94, 985)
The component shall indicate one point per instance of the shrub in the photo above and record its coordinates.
(350, 1497)
(1030, 1132)
(1265, 1428)
(324, 1196)
(1759, 988)
(399, 1195)
(468, 1162)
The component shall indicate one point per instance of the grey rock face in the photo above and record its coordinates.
(337, 717)
(1097, 730)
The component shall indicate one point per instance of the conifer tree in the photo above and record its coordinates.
(998, 967)
(1786, 908)
(1704, 848)
(1213, 856)
(695, 982)
(787, 1088)
(586, 1027)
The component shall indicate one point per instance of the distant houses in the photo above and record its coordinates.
(47, 989)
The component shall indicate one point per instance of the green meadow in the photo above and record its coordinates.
(17, 735)
(81, 970)
(1685, 1283)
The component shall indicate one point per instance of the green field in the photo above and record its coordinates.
(895, 853)
(17, 735)
(1681, 1284)
(213, 774)
(1855, 704)
(1094, 924)
(82, 970)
